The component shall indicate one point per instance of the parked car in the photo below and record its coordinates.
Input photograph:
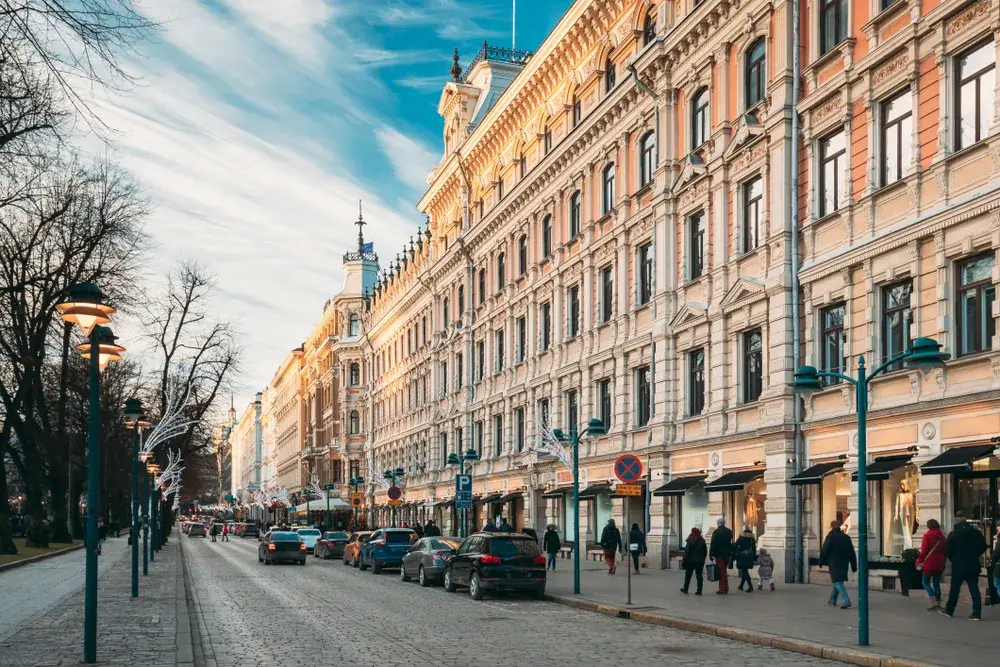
(197, 530)
(250, 530)
(352, 550)
(427, 558)
(331, 545)
(497, 561)
(309, 537)
(281, 545)
(386, 548)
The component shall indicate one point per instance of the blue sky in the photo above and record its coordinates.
(258, 124)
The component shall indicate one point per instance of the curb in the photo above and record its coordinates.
(40, 557)
(815, 649)
(185, 647)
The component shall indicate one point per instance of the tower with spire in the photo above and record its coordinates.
(361, 264)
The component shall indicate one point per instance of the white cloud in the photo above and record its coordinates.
(411, 160)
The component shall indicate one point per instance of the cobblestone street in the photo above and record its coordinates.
(326, 613)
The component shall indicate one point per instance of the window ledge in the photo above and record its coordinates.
(827, 217)
(964, 152)
(643, 306)
(884, 15)
(689, 282)
(836, 51)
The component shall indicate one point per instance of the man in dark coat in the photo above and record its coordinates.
(963, 548)
(721, 551)
(745, 555)
(552, 545)
(837, 554)
(695, 552)
(505, 527)
(432, 530)
(611, 542)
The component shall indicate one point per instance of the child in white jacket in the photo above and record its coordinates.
(765, 569)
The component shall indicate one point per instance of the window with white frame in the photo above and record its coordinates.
(501, 271)
(608, 188)
(753, 365)
(482, 286)
(755, 69)
(547, 236)
(975, 72)
(572, 411)
(458, 370)
(522, 255)
(575, 214)
(897, 317)
(832, 159)
(647, 158)
(355, 423)
(896, 136)
(699, 119)
(480, 360)
(976, 294)
(833, 341)
(444, 378)
(832, 24)
(610, 74)
(479, 438)
(519, 427)
(696, 381)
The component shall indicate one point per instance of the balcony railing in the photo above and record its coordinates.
(497, 54)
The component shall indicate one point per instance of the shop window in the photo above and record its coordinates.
(975, 80)
(575, 214)
(833, 23)
(833, 339)
(896, 320)
(644, 259)
(835, 491)
(693, 513)
(699, 119)
(753, 366)
(647, 158)
(896, 136)
(604, 402)
(607, 295)
(832, 156)
(608, 189)
(696, 382)
(756, 72)
(696, 244)
(547, 236)
(898, 518)
(976, 293)
(753, 200)
(747, 508)
(573, 316)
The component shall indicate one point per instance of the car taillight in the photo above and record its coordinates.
(539, 560)
(270, 547)
(439, 557)
(302, 547)
(490, 560)
(379, 543)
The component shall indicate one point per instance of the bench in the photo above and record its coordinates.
(566, 551)
(595, 554)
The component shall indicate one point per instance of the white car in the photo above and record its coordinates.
(309, 537)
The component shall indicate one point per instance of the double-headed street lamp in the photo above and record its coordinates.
(391, 476)
(924, 354)
(355, 483)
(136, 421)
(85, 308)
(456, 460)
(594, 427)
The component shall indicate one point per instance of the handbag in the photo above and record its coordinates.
(920, 565)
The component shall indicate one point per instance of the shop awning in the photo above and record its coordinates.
(596, 489)
(815, 474)
(679, 486)
(430, 502)
(492, 498)
(511, 496)
(957, 459)
(734, 481)
(447, 503)
(558, 492)
(881, 468)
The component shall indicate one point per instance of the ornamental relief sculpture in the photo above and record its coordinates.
(886, 71)
(977, 13)
(827, 109)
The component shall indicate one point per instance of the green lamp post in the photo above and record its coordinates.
(924, 354)
(136, 421)
(154, 500)
(594, 427)
(355, 483)
(85, 308)
(456, 460)
(392, 476)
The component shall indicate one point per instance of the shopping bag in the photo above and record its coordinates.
(710, 572)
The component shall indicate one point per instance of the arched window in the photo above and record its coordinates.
(547, 236)
(756, 61)
(355, 375)
(575, 214)
(699, 118)
(649, 27)
(522, 255)
(482, 286)
(610, 74)
(501, 271)
(354, 424)
(647, 157)
(608, 188)
(354, 326)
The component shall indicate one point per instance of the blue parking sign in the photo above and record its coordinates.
(463, 492)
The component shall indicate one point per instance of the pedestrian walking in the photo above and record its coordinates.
(505, 526)
(419, 530)
(837, 554)
(695, 552)
(102, 534)
(432, 529)
(225, 532)
(636, 545)
(214, 530)
(931, 562)
(964, 546)
(611, 542)
(552, 545)
(720, 551)
(745, 556)
(765, 569)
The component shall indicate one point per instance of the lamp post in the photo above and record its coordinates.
(135, 420)
(144, 490)
(391, 476)
(594, 427)
(924, 354)
(327, 488)
(154, 500)
(456, 460)
(85, 308)
(355, 483)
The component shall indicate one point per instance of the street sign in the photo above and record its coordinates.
(357, 500)
(395, 503)
(628, 468)
(329, 487)
(394, 492)
(463, 492)
(291, 508)
(628, 490)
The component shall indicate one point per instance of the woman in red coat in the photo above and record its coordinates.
(931, 562)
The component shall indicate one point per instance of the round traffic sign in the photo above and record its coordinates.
(356, 500)
(394, 492)
(628, 468)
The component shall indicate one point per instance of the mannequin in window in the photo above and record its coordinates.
(905, 511)
(751, 510)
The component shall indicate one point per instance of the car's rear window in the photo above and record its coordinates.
(397, 536)
(285, 537)
(444, 544)
(336, 536)
(509, 548)
(307, 531)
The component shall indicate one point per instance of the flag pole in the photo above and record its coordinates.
(513, 29)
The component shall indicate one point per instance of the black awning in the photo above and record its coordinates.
(558, 492)
(492, 498)
(511, 496)
(815, 474)
(881, 468)
(447, 503)
(734, 481)
(595, 489)
(679, 486)
(956, 459)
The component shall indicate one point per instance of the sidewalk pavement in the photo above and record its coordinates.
(900, 626)
(152, 630)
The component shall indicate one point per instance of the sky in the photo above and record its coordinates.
(256, 126)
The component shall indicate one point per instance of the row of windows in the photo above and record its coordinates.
(751, 218)
(752, 372)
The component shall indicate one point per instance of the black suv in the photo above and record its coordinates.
(496, 562)
(251, 530)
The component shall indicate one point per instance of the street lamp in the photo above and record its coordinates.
(594, 427)
(144, 458)
(85, 308)
(456, 460)
(391, 476)
(136, 421)
(355, 483)
(924, 354)
(154, 500)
